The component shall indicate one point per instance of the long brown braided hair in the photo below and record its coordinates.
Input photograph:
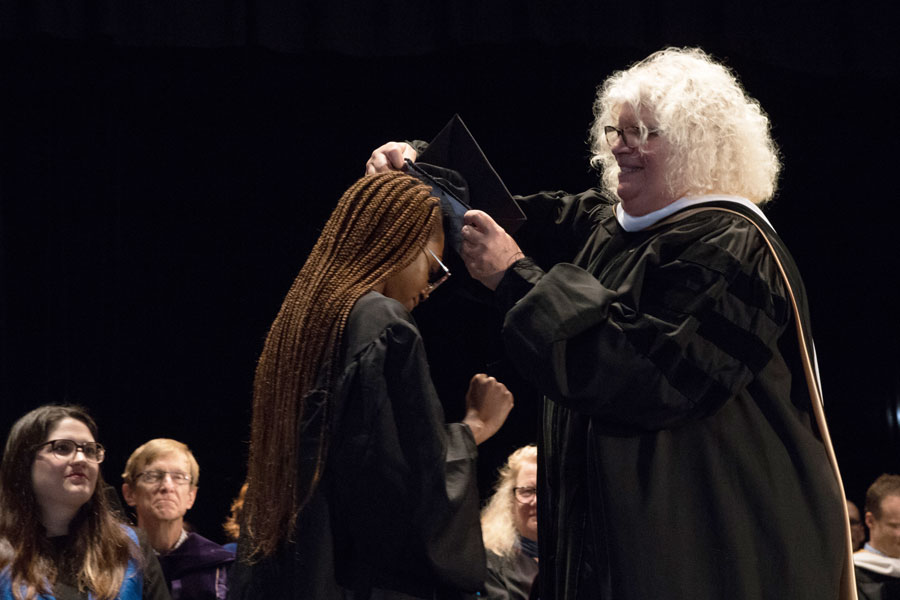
(378, 228)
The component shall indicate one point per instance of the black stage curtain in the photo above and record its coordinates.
(826, 37)
(165, 168)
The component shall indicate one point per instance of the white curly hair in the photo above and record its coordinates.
(719, 137)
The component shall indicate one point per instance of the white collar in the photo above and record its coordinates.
(181, 539)
(630, 223)
(879, 563)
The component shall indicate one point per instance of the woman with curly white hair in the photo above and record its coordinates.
(509, 528)
(684, 450)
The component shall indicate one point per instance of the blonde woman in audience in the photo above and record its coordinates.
(509, 527)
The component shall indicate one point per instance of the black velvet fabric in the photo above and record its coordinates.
(678, 457)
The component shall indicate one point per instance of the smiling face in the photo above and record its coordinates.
(165, 500)
(884, 532)
(525, 515)
(642, 170)
(409, 286)
(63, 485)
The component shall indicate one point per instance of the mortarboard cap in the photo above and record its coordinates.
(455, 148)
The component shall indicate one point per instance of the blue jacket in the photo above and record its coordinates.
(132, 586)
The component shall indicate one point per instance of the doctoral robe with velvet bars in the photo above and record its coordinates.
(678, 456)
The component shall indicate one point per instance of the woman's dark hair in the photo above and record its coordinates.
(99, 548)
(379, 226)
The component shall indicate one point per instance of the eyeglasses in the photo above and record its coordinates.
(630, 135)
(436, 279)
(178, 478)
(92, 451)
(525, 494)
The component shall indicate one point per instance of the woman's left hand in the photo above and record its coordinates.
(487, 250)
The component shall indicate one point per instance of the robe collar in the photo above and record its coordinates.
(873, 560)
(181, 539)
(630, 223)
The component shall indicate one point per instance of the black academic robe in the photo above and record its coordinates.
(678, 457)
(877, 586)
(396, 512)
(197, 569)
(510, 577)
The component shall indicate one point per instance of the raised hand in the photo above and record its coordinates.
(488, 403)
(390, 157)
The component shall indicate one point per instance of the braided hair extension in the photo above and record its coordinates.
(377, 229)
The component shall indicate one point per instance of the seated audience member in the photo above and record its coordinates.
(58, 537)
(161, 484)
(232, 525)
(857, 531)
(509, 528)
(878, 563)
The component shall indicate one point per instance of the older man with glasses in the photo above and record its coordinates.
(161, 479)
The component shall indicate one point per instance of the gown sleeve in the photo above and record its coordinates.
(415, 516)
(558, 223)
(683, 323)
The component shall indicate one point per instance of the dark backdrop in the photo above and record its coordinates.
(165, 168)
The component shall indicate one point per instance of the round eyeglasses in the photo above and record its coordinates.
(525, 494)
(152, 477)
(630, 135)
(92, 451)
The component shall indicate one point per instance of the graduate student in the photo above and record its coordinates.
(356, 488)
(684, 452)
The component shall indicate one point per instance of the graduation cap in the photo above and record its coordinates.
(463, 178)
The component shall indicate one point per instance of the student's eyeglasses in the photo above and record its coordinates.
(92, 451)
(436, 279)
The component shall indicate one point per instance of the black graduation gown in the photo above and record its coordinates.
(510, 577)
(396, 512)
(678, 458)
(877, 586)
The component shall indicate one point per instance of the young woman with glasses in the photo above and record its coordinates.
(356, 487)
(58, 536)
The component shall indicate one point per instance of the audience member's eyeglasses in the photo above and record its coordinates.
(178, 478)
(436, 279)
(630, 135)
(92, 451)
(525, 494)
